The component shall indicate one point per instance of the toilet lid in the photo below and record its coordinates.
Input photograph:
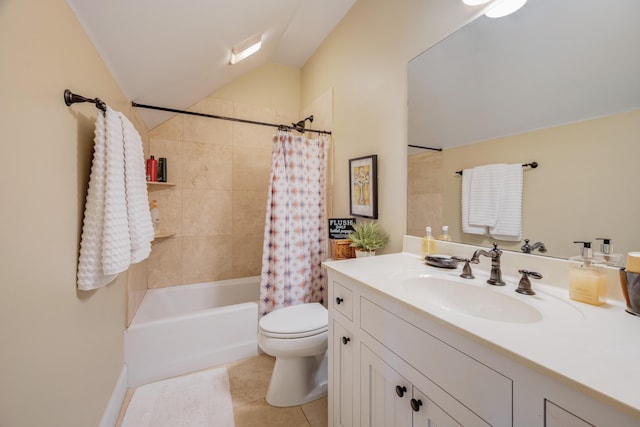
(296, 321)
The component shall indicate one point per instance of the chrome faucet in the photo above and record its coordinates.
(495, 277)
(527, 248)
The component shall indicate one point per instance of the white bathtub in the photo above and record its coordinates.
(181, 329)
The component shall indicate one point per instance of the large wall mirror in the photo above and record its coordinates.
(557, 82)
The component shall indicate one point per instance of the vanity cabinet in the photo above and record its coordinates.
(394, 365)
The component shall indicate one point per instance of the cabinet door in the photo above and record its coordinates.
(428, 414)
(555, 416)
(385, 395)
(342, 376)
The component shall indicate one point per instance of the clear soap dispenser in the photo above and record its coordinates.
(445, 234)
(587, 281)
(606, 253)
(428, 243)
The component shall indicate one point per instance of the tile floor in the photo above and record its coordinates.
(249, 380)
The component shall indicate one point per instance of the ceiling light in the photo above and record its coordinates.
(499, 8)
(245, 49)
(504, 8)
(475, 2)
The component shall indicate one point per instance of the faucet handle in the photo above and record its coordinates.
(466, 270)
(524, 287)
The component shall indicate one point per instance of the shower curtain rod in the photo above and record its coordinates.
(424, 148)
(299, 127)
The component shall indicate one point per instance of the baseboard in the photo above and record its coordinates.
(111, 413)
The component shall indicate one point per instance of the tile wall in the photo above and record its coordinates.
(216, 208)
(424, 193)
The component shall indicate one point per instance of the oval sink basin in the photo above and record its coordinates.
(469, 299)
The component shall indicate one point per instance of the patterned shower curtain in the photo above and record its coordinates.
(296, 226)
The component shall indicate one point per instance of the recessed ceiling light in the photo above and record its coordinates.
(245, 49)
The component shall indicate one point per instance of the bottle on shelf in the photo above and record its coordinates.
(162, 169)
(155, 216)
(152, 169)
(428, 243)
(445, 234)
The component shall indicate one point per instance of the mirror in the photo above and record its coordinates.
(557, 83)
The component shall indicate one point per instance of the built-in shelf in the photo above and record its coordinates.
(160, 184)
(163, 234)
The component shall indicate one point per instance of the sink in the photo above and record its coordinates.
(482, 301)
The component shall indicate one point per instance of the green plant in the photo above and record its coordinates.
(368, 236)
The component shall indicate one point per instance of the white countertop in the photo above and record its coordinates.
(595, 347)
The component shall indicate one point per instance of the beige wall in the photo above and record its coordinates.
(61, 351)
(221, 171)
(565, 198)
(365, 61)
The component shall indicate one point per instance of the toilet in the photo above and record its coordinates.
(297, 337)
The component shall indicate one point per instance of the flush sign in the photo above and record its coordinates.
(339, 228)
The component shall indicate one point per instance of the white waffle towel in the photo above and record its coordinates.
(509, 224)
(117, 227)
(485, 195)
(467, 177)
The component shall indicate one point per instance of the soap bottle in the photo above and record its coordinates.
(428, 243)
(606, 253)
(445, 234)
(587, 281)
(155, 216)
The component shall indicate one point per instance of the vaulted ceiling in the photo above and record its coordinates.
(174, 53)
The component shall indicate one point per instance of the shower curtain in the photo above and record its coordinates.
(295, 227)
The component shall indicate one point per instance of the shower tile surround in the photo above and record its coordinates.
(221, 173)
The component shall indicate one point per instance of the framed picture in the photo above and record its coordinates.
(363, 186)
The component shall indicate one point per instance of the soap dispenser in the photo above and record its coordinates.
(428, 243)
(606, 253)
(587, 281)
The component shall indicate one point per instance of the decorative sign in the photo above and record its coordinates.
(339, 228)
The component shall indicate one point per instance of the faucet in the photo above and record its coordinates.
(495, 277)
(527, 248)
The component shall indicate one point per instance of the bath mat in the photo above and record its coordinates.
(201, 399)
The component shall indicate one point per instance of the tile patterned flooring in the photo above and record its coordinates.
(249, 380)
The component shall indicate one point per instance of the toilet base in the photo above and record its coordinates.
(298, 380)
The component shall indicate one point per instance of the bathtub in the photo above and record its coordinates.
(185, 328)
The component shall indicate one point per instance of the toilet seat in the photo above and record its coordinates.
(296, 321)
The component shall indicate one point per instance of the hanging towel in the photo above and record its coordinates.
(138, 213)
(467, 176)
(485, 195)
(509, 224)
(113, 208)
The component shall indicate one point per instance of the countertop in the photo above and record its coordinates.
(597, 348)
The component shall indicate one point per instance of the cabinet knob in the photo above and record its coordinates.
(400, 390)
(416, 404)
(345, 340)
(339, 300)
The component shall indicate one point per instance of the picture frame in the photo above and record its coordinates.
(363, 186)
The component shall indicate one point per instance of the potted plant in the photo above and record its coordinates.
(366, 237)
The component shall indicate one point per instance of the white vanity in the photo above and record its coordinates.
(460, 352)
